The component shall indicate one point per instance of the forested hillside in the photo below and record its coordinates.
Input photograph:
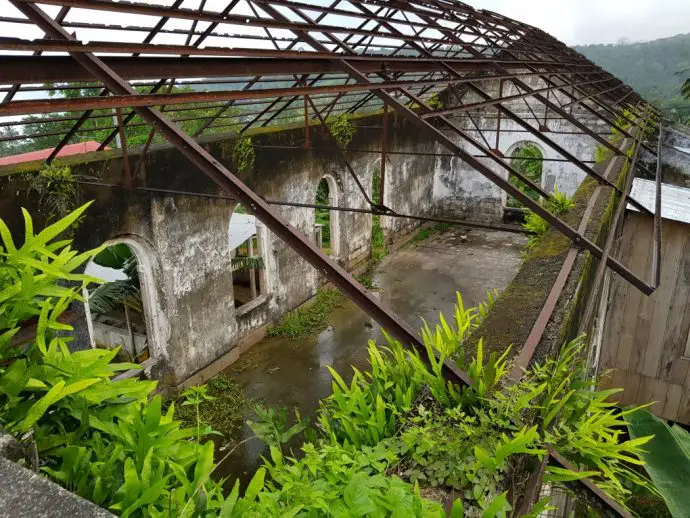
(653, 68)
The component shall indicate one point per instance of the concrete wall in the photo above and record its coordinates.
(181, 241)
(462, 192)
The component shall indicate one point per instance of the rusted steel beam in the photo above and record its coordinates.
(536, 132)
(499, 100)
(437, 135)
(233, 186)
(72, 131)
(147, 100)
(214, 17)
(62, 14)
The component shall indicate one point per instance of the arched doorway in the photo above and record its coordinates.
(326, 224)
(121, 312)
(528, 159)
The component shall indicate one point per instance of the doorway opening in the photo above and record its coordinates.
(326, 233)
(527, 159)
(115, 309)
(247, 252)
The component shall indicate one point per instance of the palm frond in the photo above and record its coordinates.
(110, 295)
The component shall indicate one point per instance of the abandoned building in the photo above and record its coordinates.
(247, 153)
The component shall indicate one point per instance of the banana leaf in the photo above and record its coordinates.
(667, 459)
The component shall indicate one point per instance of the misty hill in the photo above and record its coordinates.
(651, 68)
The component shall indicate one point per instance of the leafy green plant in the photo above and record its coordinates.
(271, 425)
(435, 102)
(111, 295)
(243, 154)
(309, 319)
(240, 262)
(57, 190)
(342, 130)
(225, 413)
(195, 396)
(559, 204)
(323, 216)
(527, 160)
(667, 458)
(379, 248)
(107, 440)
(380, 438)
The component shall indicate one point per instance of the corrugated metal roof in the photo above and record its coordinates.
(42, 154)
(675, 201)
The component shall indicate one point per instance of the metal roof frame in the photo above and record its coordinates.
(390, 54)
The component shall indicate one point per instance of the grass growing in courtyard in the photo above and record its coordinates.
(226, 413)
(427, 232)
(379, 249)
(311, 319)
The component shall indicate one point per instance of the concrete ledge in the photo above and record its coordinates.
(24, 494)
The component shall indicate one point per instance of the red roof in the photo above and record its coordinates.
(42, 154)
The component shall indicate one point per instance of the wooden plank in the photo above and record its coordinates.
(674, 395)
(648, 393)
(684, 411)
(631, 302)
(673, 248)
(631, 388)
(616, 302)
(660, 391)
(678, 320)
(679, 371)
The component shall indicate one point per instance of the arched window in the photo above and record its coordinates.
(326, 229)
(115, 310)
(527, 159)
(248, 264)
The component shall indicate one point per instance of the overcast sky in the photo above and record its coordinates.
(578, 22)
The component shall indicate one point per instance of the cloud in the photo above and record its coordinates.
(608, 21)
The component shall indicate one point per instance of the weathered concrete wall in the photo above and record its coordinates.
(462, 192)
(181, 241)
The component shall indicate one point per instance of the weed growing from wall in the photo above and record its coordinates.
(379, 249)
(243, 154)
(57, 190)
(342, 130)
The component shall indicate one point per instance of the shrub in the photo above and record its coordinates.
(57, 190)
(108, 441)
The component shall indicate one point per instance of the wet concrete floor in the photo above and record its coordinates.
(418, 281)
